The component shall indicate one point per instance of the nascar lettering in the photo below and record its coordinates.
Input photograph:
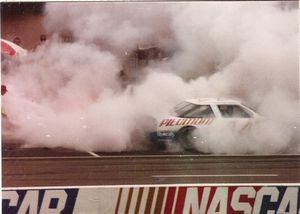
(190, 200)
(155, 200)
(39, 201)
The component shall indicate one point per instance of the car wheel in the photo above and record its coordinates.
(186, 138)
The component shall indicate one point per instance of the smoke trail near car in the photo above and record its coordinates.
(72, 95)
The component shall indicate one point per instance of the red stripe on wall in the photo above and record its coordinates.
(170, 200)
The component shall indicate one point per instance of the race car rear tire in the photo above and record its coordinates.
(185, 137)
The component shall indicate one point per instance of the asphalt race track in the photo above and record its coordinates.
(32, 167)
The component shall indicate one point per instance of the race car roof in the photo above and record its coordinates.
(207, 101)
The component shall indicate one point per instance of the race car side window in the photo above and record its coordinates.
(233, 111)
(199, 111)
(183, 107)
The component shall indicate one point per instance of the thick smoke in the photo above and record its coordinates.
(71, 94)
(119, 27)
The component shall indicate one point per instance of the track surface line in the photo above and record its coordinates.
(220, 175)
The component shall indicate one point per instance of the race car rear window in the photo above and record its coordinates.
(196, 111)
(233, 111)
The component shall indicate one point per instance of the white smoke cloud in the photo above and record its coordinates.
(119, 26)
(70, 94)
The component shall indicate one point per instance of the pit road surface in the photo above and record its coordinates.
(23, 167)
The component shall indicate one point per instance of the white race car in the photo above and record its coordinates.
(195, 116)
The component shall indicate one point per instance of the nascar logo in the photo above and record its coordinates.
(155, 200)
(190, 200)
